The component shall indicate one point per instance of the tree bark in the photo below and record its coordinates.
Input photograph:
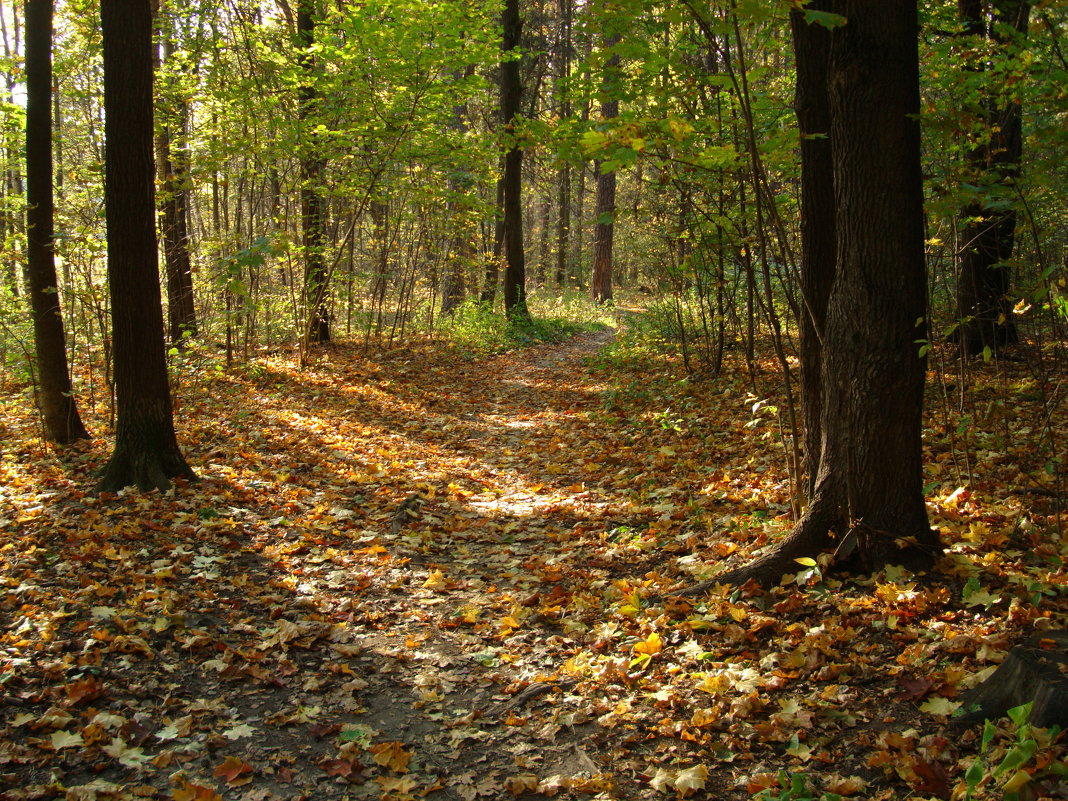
(811, 50)
(62, 423)
(988, 229)
(312, 203)
(146, 448)
(868, 501)
(604, 227)
(173, 161)
(515, 292)
(563, 218)
(461, 245)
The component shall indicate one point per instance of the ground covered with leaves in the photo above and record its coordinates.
(421, 574)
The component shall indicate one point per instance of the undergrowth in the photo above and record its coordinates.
(480, 329)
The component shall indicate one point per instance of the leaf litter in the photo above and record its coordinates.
(421, 576)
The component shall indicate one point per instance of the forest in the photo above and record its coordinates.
(491, 399)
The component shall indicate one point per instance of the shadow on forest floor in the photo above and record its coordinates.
(416, 575)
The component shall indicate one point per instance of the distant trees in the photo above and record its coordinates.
(312, 168)
(988, 221)
(332, 170)
(604, 225)
(59, 413)
(172, 159)
(146, 449)
(515, 274)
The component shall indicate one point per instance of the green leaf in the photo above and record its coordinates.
(825, 18)
(1021, 714)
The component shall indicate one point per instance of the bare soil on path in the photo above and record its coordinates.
(417, 574)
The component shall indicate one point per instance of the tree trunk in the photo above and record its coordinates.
(493, 265)
(312, 203)
(988, 227)
(146, 449)
(461, 246)
(563, 218)
(515, 292)
(868, 500)
(604, 227)
(62, 423)
(811, 48)
(1033, 672)
(173, 164)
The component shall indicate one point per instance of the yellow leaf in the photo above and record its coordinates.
(691, 779)
(64, 739)
(391, 755)
(939, 706)
(435, 581)
(651, 645)
(521, 784)
(1018, 780)
(844, 786)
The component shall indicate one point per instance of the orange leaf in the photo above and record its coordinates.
(651, 645)
(86, 689)
(338, 767)
(391, 755)
(195, 792)
(232, 768)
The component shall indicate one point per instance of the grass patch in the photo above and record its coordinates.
(481, 330)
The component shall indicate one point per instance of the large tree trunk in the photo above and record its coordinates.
(869, 493)
(312, 203)
(62, 422)
(173, 160)
(988, 230)
(515, 292)
(146, 449)
(812, 49)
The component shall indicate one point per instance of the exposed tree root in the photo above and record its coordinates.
(862, 550)
(145, 470)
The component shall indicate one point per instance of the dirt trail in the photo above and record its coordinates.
(372, 593)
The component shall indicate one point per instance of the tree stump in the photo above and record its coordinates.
(1035, 670)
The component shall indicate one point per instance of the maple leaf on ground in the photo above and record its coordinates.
(188, 791)
(932, 777)
(521, 784)
(88, 689)
(391, 755)
(233, 770)
(912, 689)
(397, 787)
(691, 779)
(128, 755)
(64, 739)
(939, 706)
(345, 768)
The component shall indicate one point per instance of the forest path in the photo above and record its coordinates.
(373, 592)
(414, 574)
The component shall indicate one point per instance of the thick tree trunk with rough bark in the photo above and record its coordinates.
(868, 502)
(62, 423)
(515, 292)
(988, 230)
(818, 241)
(146, 448)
